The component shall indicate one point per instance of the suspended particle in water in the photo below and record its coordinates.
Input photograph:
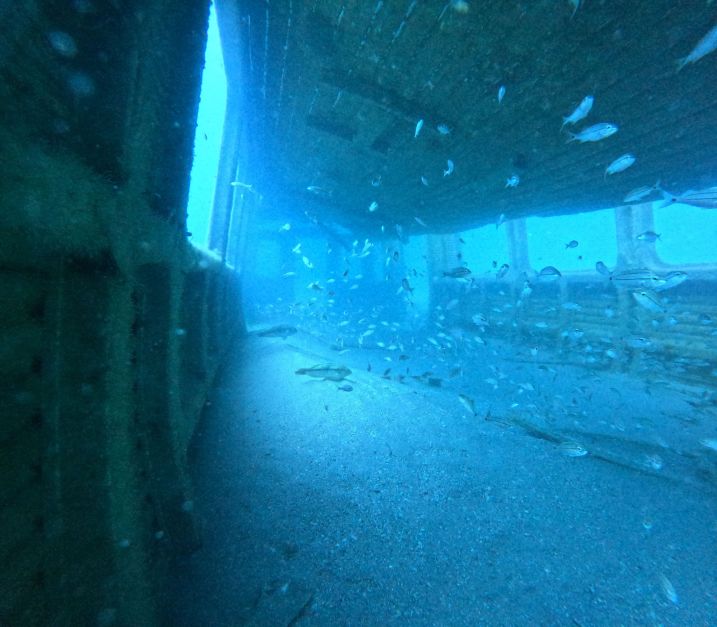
(81, 84)
(62, 43)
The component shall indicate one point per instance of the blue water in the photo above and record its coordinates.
(510, 447)
(504, 451)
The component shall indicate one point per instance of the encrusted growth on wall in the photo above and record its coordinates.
(106, 311)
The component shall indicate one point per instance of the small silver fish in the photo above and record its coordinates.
(622, 163)
(641, 192)
(648, 236)
(581, 111)
(419, 221)
(549, 273)
(468, 403)
(648, 300)
(457, 273)
(326, 371)
(512, 181)
(502, 271)
(424, 180)
(449, 169)
(365, 251)
(602, 268)
(573, 243)
(670, 280)
(668, 590)
(572, 449)
(705, 198)
(443, 129)
(419, 126)
(373, 206)
(501, 93)
(594, 133)
(638, 278)
(500, 220)
(704, 46)
(282, 330)
(244, 185)
(319, 191)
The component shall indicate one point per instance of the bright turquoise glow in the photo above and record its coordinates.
(594, 232)
(208, 138)
(483, 246)
(687, 234)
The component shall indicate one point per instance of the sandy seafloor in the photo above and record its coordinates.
(392, 504)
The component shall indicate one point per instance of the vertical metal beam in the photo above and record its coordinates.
(630, 221)
(517, 234)
(236, 211)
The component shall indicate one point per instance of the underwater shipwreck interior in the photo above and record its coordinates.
(358, 312)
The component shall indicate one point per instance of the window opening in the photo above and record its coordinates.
(687, 234)
(207, 137)
(572, 242)
(484, 249)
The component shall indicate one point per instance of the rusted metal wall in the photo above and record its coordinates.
(112, 327)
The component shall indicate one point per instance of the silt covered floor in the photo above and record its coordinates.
(393, 504)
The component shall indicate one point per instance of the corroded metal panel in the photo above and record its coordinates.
(337, 90)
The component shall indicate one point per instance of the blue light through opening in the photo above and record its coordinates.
(207, 138)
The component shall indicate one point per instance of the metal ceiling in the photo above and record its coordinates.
(336, 88)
